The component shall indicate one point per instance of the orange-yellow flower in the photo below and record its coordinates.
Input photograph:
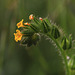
(31, 17)
(18, 35)
(20, 24)
(26, 23)
(40, 18)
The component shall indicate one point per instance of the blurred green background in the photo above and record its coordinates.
(43, 59)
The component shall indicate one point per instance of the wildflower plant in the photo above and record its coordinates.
(30, 34)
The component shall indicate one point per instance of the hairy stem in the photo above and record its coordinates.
(62, 52)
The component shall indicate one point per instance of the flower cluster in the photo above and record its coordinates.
(18, 35)
(28, 34)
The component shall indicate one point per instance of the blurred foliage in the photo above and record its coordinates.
(42, 59)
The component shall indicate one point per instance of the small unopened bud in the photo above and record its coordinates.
(40, 18)
(45, 26)
(55, 32)
(31, 17)
(71, 63)
(35, 38)
(31, 40)
(66, 43)
(26, 23)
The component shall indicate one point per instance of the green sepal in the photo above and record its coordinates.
(27, 32)
(35, 38)
(24, 40)
(47, 21)
(63, 43)
(34, 27)
(31, 40)
(27, 41)
(55, 32)
(71, 63)
(70, 42)
(66, 43)
(45, 26)
(35, 20)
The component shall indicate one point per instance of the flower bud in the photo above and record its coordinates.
(55, 32)
(31, 40)
(71, 63)
(34, 27)
(37, 21)
(65, 43)
(46, 26)
(40, 19)
(31, 17)
(27, 32)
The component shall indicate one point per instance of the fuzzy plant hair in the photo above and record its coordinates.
(29, 34)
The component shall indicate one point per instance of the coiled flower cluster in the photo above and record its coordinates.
(29, 34)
